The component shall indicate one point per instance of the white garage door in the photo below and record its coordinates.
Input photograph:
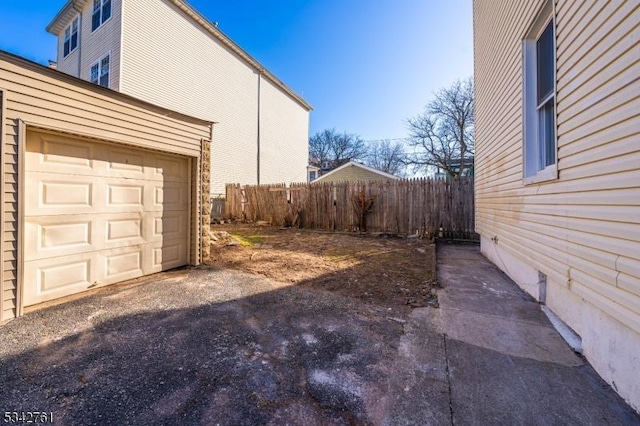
(98, 214)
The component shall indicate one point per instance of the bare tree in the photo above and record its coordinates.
(387, 156)
(443, 135)
(336, 148)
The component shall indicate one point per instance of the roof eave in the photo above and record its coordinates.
(68, 11)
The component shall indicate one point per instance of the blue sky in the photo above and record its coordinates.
(365, 65)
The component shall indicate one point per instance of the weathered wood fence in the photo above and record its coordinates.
(429, 207)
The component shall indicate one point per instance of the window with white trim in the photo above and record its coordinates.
(71, 36)
(101, 13)
(540, 148)
(100, 71)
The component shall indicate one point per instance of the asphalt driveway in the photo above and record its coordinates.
(206, 346)
(203, 347)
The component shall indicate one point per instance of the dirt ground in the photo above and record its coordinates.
(394, 272)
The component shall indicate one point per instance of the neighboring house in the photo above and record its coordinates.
(557, 171)
(325, 166)
(166, 53)
(313, 172)
(98, 187)
(454, 164)
(353, 171)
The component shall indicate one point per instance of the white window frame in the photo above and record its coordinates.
(98, 63)
(531, 145)
(65, 37)
(101, 8)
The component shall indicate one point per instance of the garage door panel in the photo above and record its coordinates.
(121, 264)
(169, 196)
(58, 277)
(125, 194)
(51, 154)
(54, 235)
(166, 255)
(167, 169)
(124, 230)
(125, 163)
(97, 214)
(48, 194)
(167, 225)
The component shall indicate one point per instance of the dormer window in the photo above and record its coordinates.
(71, 36)
(101, 13)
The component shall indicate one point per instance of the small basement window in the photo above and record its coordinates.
(100, 71)
(71, 37)
(540, 147)
(101, 13)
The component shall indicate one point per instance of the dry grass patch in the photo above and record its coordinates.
(390, 271)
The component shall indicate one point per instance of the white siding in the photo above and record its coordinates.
(583, 229)
(169, 61)
(70, 64)
(46, 98)
(284, 137)
(94, 45)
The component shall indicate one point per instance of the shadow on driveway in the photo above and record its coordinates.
(206, 346)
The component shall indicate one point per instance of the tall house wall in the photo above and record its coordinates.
(172, 61)
(284, 135)
(581, 230)
(93, 45)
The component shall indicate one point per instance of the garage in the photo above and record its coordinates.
(98, 187)
(98, 214)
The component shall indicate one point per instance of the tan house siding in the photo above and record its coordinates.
(583, 229)
(44, 98)
(284, 135)
(94, 45)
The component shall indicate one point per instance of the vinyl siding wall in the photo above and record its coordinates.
(94, 45)
(284, 136)
(170, 60)
(583, 229)
(49, 99)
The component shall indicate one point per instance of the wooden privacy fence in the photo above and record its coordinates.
(428, 207)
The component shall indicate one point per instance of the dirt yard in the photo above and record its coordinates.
(398, 273)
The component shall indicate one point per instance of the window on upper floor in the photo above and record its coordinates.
(71, 36)
(100, 71)
(101, 13)
(540, 146)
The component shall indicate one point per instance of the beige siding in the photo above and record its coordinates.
(169, 61)
(352, 173)
(71, 63)
(583, 229)
(284, 137)
(94, 45)
(45, 98)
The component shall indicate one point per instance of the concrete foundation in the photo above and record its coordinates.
(612, 348)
